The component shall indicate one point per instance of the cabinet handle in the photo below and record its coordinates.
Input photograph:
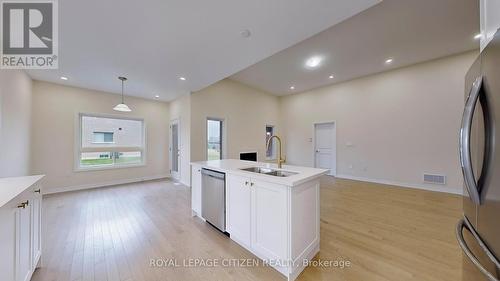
(37, 191)
(23, 204)
(251, 184)
(246, 183)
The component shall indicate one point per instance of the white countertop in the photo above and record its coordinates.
(11, 187)
(234, 166)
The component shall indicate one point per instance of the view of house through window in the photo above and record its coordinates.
(214, 139)
(103, 137)
(270, 149)
(108, 142)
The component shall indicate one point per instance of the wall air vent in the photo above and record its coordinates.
(435, 179)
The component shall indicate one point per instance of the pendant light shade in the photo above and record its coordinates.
(122, 106)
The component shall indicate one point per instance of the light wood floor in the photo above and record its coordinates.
(386, 233)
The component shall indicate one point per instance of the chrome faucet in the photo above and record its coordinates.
(280, 159)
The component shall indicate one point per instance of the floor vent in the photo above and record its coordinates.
(434, 179)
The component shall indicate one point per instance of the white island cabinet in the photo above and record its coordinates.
(20, 227)
(275, 218)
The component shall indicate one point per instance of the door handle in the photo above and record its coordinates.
(465, 223)
(465, 132)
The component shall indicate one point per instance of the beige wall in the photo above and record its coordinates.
(180, 109)
(400, 123)
(246, 112)
(55, 110)
(15, 123)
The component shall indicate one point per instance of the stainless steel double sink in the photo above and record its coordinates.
(269, 171)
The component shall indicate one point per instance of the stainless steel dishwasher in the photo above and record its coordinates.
(213, 198)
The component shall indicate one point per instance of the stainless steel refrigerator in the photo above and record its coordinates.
(478, 233)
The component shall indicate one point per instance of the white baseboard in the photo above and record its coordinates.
(103, 184)
(429, 187)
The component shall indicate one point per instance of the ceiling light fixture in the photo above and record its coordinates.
(245, 33)
(478, 36)
(157, 96)
(331, 77)
(182, 78)
(122, 106)
(292, 87)
(64, 78)
(389, 61)
(314, 62)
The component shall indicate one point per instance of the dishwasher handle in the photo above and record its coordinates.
(213, 174)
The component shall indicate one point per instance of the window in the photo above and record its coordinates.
(214, 139)
(110, 142)
(270, 149)
(103, 137)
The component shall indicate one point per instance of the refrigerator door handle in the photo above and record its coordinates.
(464, 223)
(465, 132)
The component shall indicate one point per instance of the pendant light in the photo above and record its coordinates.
(122, 106)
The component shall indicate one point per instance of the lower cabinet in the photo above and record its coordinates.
(277, 223)
(21, 235)
(36, 231)
(269, 220)
(196, 189)
(238, 216)
(257, 216)
(23, 256)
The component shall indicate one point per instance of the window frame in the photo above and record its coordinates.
(78, 143)
(222, 136)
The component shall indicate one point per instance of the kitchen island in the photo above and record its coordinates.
(273, 213)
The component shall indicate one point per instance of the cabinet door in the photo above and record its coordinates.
(196, 189)
(23, 242)
(36, 233)
(238, 209)
(269, 220)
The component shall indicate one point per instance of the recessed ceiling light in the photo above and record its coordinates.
(314, 62)
(389, 61)
(330, 77)
(245, 33)
(182, 78)
(157, 96)
(292, 87)
(478, 36)
(64, 78)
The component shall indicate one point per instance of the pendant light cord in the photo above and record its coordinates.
(122, 93)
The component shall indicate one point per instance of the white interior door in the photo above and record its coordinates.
(325, 147)
(175, 152)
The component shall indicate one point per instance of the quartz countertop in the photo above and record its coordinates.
(234, 166)
(12, 187)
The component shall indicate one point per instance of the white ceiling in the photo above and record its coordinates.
(410, 31)
(154, 42)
